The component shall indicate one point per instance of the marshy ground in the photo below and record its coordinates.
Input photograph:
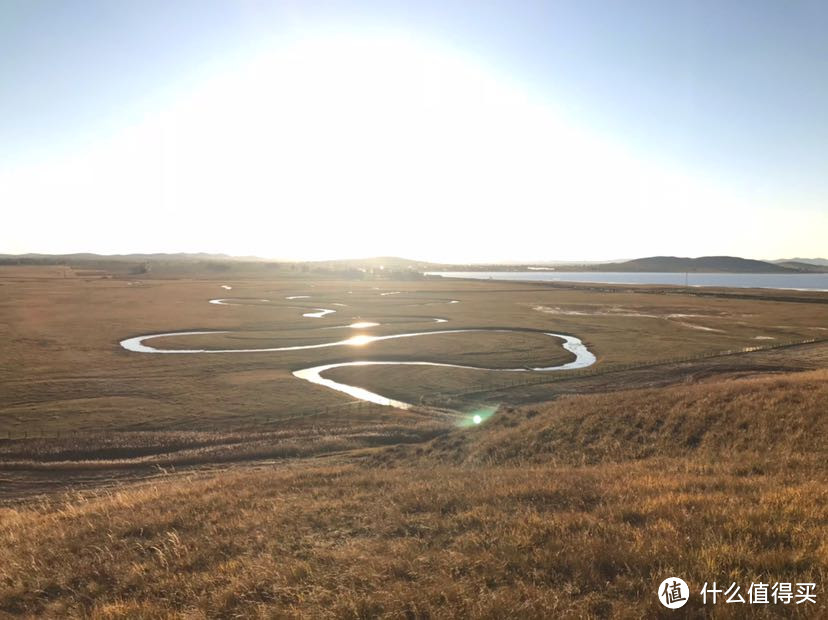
(217, 485)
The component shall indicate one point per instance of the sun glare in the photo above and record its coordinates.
(387, 127)
(358, 341)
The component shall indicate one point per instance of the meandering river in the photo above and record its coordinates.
(583, 357)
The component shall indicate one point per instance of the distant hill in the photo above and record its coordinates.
(87, 256)
(387, 262)
(821, 262)
(200, 264)
(657, 264)
(703, 264)
(802, 267)
(180, 264)
(375, 262)
(378, 264)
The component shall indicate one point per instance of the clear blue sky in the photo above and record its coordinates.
(732, 95)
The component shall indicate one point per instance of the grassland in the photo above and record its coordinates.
(62, 368)
(723, 481)
(219, 485)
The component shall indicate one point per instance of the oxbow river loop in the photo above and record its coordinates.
(583, 356)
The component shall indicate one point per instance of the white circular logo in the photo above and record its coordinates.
(673, 592)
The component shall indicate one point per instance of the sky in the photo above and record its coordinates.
(445, 131)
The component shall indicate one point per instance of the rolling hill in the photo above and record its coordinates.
(574, 508)
(703, 264)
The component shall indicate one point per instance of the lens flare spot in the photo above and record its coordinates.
(477, 419)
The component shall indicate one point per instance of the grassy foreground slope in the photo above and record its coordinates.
(576, 508)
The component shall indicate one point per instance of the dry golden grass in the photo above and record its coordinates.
(781, 416)
(578, 507)
(140, 450)
(62, 369)
(725, 481)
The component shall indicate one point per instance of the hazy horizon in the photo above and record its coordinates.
(448, 132)
(357, 258)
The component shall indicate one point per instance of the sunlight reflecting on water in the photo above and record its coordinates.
(360, 340)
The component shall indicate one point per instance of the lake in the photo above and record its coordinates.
(794, 281)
